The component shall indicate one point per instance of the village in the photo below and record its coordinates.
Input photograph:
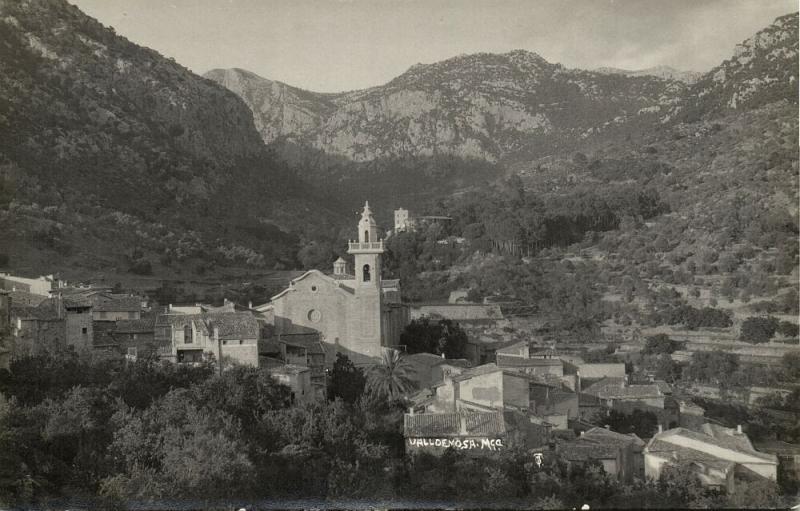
(506, 392)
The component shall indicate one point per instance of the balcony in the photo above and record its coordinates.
(355, 246)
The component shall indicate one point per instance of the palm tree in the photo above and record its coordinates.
(391, 378)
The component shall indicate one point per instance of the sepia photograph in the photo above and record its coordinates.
(399, 254)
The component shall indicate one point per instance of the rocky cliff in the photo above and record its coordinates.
(472, 106)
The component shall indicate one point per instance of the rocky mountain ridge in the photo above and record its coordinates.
(513, 105)
(473, 106)
(663, 72)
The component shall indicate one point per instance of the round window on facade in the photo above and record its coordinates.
(313, 289)
(314, 316)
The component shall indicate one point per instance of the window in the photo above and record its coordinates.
(187, 334)
(314, 316)
(366, 273)
(366, 236)
(83, 330)
(313, 289)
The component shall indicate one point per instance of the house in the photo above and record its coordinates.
(39, 286)
(356, 314)
(297, 378)
(519, 349)
(718, 455)
(554, 402)
(38, 329)
(483, 387)
(115, 308)
(591, 373)
(301, 349)
(620, 455)
(617, 394)
(468, 432)
(231, 336)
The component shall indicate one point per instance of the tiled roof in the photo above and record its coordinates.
(425, 359)
(309, 341)
(663, 442)
(612, 391)
(287, 369)
(477, 371)
(120, 304)
(449, 424)
(512, 361)
(592, 371)
(25, 298)
(603, 435)
(134, 326)
(585, 451)
(234, 325)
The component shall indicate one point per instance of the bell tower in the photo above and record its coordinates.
(365, 327)
(367, 253)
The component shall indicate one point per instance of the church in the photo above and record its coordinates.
(357, 313)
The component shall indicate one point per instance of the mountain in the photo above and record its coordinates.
(113, 156)
(762, 70)
(514, 106)
(482, 106)
(663, 72)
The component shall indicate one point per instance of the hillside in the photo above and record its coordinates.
(492, 114)
(112, 156)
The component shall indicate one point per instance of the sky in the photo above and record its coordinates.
(339, 45)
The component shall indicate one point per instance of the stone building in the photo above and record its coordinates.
(620, 455)
(298, 379)
(355, 314)
(228, 337)
(718, 455)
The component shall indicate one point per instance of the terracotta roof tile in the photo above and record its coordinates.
(449, 424)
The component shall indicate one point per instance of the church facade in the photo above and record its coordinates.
(356, 313)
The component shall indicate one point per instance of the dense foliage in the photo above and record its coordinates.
(443, 337)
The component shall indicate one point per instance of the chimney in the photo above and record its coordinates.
(607, 426)
(169, 308)
(443, 355)
(739, 429)
(660, 428)
(582, 432)
(250, 304)
(411, 410)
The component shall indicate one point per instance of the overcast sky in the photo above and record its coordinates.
(337, 45)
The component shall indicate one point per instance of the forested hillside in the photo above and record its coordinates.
(114, 157)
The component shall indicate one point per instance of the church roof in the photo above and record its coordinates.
(318, 273)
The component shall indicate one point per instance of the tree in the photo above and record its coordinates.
(442, 337)
(757, 330)
(712, 366)
(643, 423)
(391, 378)
(660, 344)
(762, 494)
(346, 381)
